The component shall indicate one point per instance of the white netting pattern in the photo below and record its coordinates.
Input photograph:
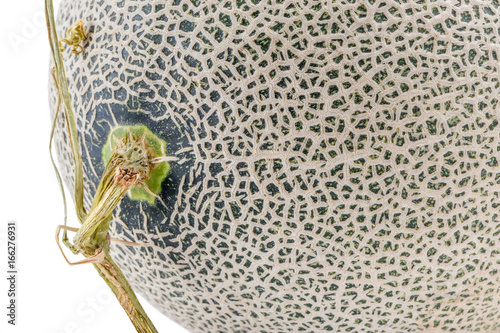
(344, 167)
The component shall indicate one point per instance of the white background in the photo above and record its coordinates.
(52, 296)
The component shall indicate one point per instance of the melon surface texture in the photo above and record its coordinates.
(338, 160)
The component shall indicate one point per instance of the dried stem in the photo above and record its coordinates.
(64, 96)
(117, 179)
(115, 279)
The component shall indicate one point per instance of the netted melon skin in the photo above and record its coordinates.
(339, 159)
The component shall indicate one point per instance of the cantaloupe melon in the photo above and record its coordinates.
(338, 159)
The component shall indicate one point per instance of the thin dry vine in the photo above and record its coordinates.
(92, 239)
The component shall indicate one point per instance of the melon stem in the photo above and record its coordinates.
(123, 172)
(120, 175)
(63, 92)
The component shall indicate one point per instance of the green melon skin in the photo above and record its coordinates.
(338, 160)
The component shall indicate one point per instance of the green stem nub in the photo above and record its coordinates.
(135, 163)
(145, 153)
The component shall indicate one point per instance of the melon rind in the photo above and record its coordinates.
(338, 159)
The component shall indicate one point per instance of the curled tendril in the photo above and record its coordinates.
(74, 36)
